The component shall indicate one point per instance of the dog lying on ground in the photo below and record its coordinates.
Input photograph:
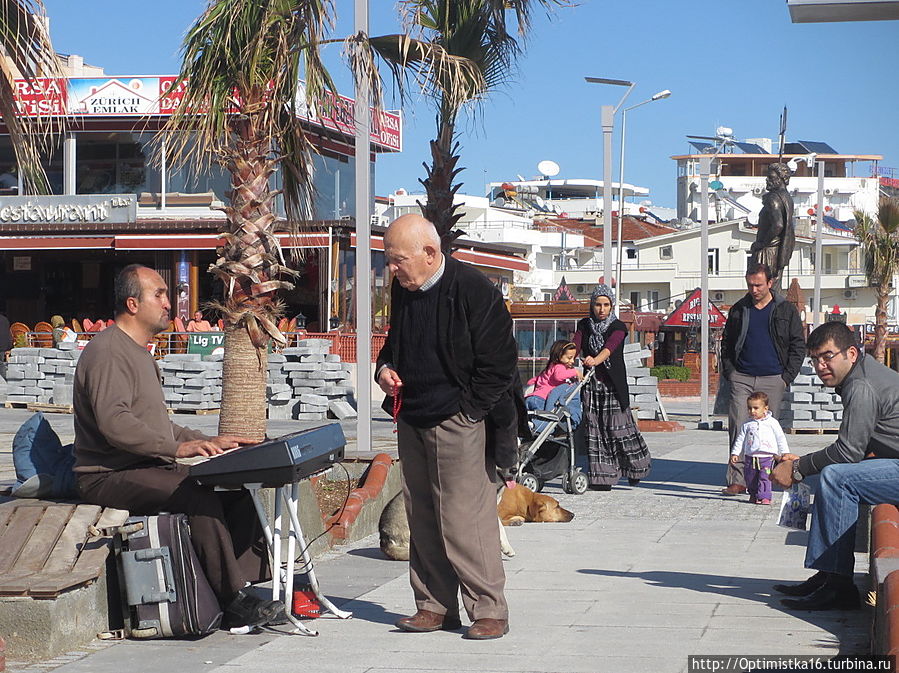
(519, 505)
(514, 507)
(393, 527)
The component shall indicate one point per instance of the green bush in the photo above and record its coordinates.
(671, 372)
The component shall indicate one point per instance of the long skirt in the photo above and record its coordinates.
(615, 447)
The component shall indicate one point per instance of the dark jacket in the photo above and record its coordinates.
(784, 326)
(476, 346)
(616, 370)
(870, 426)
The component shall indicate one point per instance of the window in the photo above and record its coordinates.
(652, 299)
(665, 252)
(713, 261)
(828, 263)
(114, 163)
(631, 253)
(635, 300)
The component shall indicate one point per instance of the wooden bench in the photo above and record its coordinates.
(47, 548)
(53, 575)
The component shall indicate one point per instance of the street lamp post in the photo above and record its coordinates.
(363, 250)
(608, 124)
(659, 96)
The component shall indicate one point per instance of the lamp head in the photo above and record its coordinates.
(661, 94)
(604, 80)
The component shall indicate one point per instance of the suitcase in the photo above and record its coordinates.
(164, 590)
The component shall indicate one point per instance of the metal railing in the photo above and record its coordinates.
(342, 343)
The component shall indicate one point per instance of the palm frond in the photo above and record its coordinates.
(26, 42)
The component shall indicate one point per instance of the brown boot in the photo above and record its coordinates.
(733, 489)
(487, 629)
(425, 621)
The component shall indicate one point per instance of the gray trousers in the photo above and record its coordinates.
(741, 387)
(449, 485)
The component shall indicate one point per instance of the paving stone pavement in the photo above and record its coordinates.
(640, 579)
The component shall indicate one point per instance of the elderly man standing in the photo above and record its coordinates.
(449, 366)
(761, 351)
(862, 465)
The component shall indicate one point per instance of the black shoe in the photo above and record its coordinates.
(249, 610)
(280, 618)
(600, 487)
(810, 585)
(829, 597)
(633, 482)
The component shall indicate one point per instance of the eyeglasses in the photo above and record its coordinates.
(825, 358)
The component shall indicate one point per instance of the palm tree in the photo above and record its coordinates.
(879, 236)
(26, 51)
(241, 70)
(475, 30)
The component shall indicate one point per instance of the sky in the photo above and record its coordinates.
(735, 63)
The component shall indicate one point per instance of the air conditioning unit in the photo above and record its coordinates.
(830, 191)
(717, 295)
(733, 247)
(758, 190)
(579, 289)
(850, 294)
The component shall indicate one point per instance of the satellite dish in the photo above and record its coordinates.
(548, 168)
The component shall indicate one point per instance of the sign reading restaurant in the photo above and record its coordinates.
(85, 208)
(160, 96)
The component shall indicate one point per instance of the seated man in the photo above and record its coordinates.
(862, 465)
(197, 324)
(126, 446)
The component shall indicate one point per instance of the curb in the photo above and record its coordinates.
(341, 523)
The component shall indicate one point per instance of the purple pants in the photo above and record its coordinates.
(757, 472)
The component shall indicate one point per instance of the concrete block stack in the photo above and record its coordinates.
(42, 375)
(643, 387)
(809, 405)
(308, 383)
(191, 382)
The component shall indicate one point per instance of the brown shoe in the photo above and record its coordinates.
(425, 621)
(487, 629)
(733, 489)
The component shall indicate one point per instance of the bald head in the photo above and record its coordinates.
(412, 247)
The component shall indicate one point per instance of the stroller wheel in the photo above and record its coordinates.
(576, 483)
(531, 481)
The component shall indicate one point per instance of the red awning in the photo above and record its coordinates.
(486, 259)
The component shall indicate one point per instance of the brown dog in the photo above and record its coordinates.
(518, 505)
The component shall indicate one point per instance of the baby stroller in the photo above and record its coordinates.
(551, 453)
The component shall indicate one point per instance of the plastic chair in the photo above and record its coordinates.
(76, 326)
(292, 325)
(88, 323)
(98, 326)
(19, 331)
(43, 335)
(282, 325)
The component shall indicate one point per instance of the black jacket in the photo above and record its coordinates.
(475, 344)
(785, 328)
(617, 372)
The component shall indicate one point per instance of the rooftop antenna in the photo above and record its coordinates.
(783, 132)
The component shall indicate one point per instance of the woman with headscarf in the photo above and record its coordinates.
(615, 447)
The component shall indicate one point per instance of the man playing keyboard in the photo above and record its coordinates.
(126, 446)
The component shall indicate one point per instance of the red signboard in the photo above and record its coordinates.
(690, 313)
(156, 96)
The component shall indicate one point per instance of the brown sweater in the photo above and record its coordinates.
(120, 415)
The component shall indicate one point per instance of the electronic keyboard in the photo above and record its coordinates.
(274, 462)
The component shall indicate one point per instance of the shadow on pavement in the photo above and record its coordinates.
(734, 587)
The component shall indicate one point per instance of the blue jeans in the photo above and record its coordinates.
(831, 541)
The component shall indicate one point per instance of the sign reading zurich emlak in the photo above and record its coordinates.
(75, 208)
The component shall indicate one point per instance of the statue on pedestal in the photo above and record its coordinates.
(776, 236)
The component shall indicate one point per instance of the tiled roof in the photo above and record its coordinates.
(633, 229)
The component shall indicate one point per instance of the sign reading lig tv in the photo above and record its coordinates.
(161, 96)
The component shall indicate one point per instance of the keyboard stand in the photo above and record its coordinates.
(290, 497)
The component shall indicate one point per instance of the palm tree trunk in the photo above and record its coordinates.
(880, 326)
(244, 371)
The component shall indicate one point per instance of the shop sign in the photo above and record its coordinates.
(206, 343)
(161, 96)
(690, 312)
(86, 208)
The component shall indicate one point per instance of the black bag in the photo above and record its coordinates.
(164, 590)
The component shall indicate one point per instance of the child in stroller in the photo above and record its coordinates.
(553, 417)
